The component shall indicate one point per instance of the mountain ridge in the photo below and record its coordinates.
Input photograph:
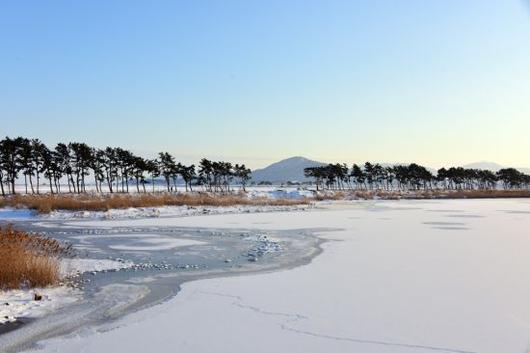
(292, 169)
(289, 169)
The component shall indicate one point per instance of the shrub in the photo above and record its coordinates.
(28, 260)
(95, 202)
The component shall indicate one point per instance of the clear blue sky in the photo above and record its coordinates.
(438, 82)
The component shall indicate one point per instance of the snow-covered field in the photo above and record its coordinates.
(394, 276)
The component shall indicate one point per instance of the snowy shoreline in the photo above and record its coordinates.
(33, 303)
(416, 276)
(257, 246)
(393, 277)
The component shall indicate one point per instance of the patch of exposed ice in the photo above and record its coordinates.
(9, 213)
(264, 245)
(153, 244)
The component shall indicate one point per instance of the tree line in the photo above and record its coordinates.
(413, 177)
(111, 169)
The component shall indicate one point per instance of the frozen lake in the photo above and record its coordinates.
(394, 276)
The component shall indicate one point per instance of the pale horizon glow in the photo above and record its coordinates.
(438, 83)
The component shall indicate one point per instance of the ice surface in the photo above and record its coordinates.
(8, 214)
(155, 243)
(388, 281)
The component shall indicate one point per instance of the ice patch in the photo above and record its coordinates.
(265, 245)
(154, 244)
(16, 214)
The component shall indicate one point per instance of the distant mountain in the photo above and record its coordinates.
(493, 167)
(484, 165)
(291, 169)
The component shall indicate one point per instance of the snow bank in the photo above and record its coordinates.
(291, 194)
(165, 211)
(22, 303)
(131, 213)
(71, 267)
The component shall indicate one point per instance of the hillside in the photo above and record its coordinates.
(291, 169)
(493, 166)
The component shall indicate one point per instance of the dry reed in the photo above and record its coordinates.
(28, 260)
(95, 202)
(420, 194)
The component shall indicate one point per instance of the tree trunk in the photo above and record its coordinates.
(38, 182)
(83, 185)
(31, 184)
(109, 181)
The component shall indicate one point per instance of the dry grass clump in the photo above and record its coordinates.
(28, 260)
(481, 194)
(95, 202)
(358, 195)
(326, 196)
(420, 194)
(464, 194)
